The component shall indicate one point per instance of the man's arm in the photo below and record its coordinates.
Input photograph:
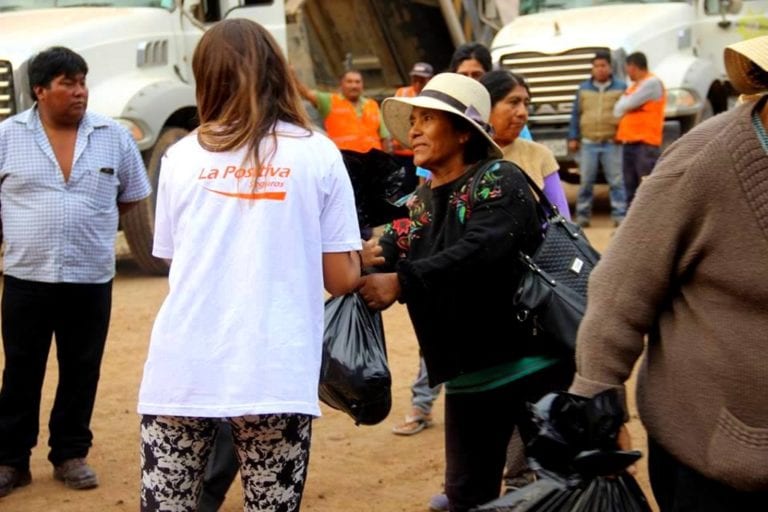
(134, 183)
(123, 208)
(386, 139)
(307, 93)
(574, 131)
(649, 89)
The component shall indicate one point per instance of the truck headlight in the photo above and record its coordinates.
(133, 128)
(682, 102)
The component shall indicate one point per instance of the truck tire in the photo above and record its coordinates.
(138, 224)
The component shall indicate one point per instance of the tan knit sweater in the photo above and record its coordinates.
(535, 159)
(689, 268)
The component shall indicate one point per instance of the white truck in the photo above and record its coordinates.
(139, 54)
(552, 42)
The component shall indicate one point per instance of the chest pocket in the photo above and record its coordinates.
(101, 186)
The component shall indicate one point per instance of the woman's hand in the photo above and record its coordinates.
(380, 290)
(371, 254)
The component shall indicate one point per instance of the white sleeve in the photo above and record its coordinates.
(338, 218)
(163, 241)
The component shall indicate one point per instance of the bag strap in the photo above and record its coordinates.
(550, 211)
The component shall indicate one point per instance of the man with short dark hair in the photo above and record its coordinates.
(593, 130)
(641, 127)
(65, 175)
(351, 120)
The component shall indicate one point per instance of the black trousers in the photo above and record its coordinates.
(32, 313)
(638, 161)
(478, 427)
(221, 470)
(678, 488)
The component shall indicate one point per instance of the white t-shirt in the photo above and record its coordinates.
(241, 329)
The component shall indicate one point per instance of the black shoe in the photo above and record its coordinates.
(76, 474)
(11, 478)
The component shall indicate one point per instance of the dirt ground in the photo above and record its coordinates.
(361, 469)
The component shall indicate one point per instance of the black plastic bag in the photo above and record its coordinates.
(570, 425)
(354, 376)
(576, 458)
(600, 494)
(379, 183)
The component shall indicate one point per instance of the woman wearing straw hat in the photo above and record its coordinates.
(449, 263)
(689, 269)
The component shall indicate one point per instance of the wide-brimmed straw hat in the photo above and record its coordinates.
(449, 92)
(739, 61)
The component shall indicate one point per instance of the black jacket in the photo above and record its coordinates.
(457, 265)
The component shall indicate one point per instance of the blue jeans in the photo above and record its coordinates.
(423, 396)
(609, 154)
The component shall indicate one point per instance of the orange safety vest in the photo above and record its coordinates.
(350, 131)
(645, 124)
(397, 148)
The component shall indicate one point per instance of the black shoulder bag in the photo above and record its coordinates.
(552, 294)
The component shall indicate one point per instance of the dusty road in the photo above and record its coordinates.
(359, 469)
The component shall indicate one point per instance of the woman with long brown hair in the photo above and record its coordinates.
(257, 213)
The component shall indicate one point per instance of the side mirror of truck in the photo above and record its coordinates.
(728, 7)
(731, 6)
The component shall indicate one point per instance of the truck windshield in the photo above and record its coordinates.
(533, 6)
(22, 5)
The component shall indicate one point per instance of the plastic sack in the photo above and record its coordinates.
(600, 494)
(572, 427)
(379, 183)
(576, 458)
(354, 376)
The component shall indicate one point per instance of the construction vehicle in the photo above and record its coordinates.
(552, 43)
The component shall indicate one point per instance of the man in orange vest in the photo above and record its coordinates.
(351, 120)
(641, 125)
(420, 75)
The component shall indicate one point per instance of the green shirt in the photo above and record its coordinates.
(497, 376)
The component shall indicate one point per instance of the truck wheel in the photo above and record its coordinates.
(139, 223)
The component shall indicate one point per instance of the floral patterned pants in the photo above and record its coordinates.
(273, 450)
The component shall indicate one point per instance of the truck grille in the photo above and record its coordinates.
(553, 79)
(7, 102)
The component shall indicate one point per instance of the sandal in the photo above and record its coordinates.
(413, 424)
